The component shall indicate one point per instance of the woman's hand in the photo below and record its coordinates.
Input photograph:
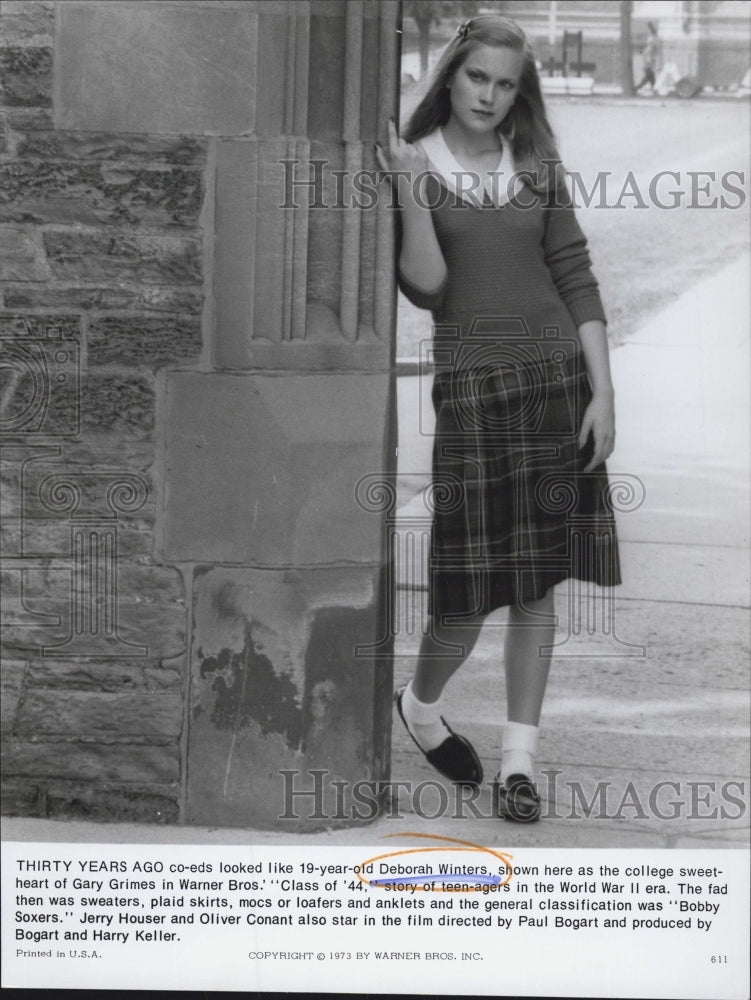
(421, 262)
(599, 420)
(599, 417)
(401, 160)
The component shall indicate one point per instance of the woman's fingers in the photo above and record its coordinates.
(600, 425)
(382, 162)
(596, 460)
(402, 155)
(604, 444)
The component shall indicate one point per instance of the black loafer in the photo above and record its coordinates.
(516, 799)
(455, 758)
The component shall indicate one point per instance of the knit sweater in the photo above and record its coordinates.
(526, 260)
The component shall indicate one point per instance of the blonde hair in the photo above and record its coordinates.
(525, 127)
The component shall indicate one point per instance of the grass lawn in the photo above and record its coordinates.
(645, 258)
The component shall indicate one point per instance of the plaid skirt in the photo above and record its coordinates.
(513, 512)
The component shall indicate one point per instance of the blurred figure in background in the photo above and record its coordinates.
(651, 57)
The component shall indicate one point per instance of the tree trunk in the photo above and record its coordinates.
(423, 28)
(626, 55)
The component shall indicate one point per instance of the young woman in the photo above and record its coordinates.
(523, 396)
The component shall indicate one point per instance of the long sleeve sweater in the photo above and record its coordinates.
(510, 263)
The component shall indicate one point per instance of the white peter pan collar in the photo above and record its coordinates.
(471, 188)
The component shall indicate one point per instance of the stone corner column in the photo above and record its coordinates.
(291, 671)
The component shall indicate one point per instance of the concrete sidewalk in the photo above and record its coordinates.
(665, 696)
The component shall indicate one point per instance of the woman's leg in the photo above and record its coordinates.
(442, 651)
(530, 627)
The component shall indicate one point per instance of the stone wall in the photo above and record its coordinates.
(194, 382)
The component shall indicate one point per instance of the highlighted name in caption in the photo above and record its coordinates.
(139, 916)
(449, 878)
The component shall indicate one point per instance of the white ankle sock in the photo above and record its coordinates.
(423, 719)
(519, 748)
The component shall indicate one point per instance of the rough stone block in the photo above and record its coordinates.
(139, 630)
(44, 351)
(143, 298)
(11, 687)
(93, 194)
(147, 585)
(11, 536)
(10, 490)
(26, 77)
(140, 610)
(97, 714)
(99, 448)
(265, 470)
(22, 798)
(145, 67)
(91, 761)
(146, 150)
(55, 489)
(21, 255)
(47, 538)
(118, 403)
(141, 341)
(105, 804)
(26, 22)
(97, 256)
(279, 682)
(130, 676)
(30, 119)
(50, 326)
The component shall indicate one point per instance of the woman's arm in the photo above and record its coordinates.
(421, 262)
(599, 417)
(567, 257)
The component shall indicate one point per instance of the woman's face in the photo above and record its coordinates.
(483, 89)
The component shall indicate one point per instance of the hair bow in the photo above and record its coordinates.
(463, 30)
